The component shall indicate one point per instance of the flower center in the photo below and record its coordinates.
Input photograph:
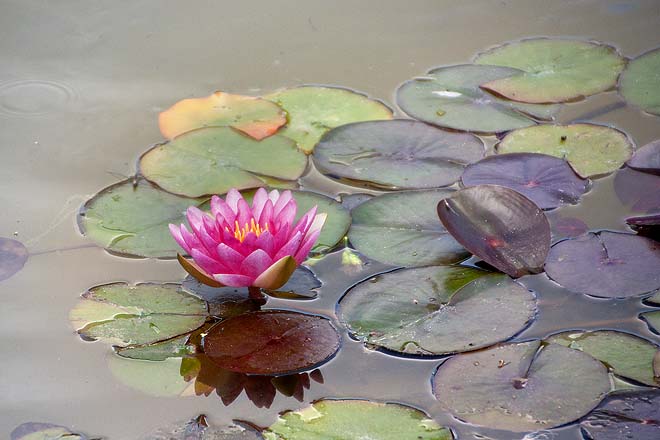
(241, 232)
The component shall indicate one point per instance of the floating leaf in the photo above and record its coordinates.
(159, 351)
(159, 379)
(626, 355)
(545, 180)
(352, 201)
(654, 299)
(135, 315)
(647, 158)
(255, 117)
(592, 150)
(563, 227)
(199, 429)
(271, 342)
(44, 431)
(606, 264)
(521, 387)
(436, 310)
(396, 154)
(640, 191)
(640, 83)
(653, 320)
(403, 229)
(630, 415)
(648, 225)
(450, 97)
(356, 419)
(13, 256)
(314, 110)
(131, 218)
(500, 226)
(214, 160)
(554, 70)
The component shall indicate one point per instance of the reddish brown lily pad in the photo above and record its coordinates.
(272, 342)
(647, 225)
(498, 225)
(13, 256)
(255, 117)
(647, 158)
(606, 264)
(546, 180)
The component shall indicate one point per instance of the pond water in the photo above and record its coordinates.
(81, 88)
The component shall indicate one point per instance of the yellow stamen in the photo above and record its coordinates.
(253, 227)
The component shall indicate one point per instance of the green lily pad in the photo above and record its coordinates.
(159, 351)
(591, 150)
(44, 431)
(396, 154)
(640, 82)
(627, 356)
(214, 160)
(145, 313)
(131, 218)
(356, 419)
(159, 379)
(654, 299)
(554, 70)
(521, 387)
(314, 110)
(451, 97)
(336, 223)
(436, 310)
(403, 229)
(653, 320)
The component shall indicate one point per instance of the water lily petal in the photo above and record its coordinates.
(266, 215)
(208, 264)
(258, 202)
(244, 213)
(305, 222)
(233, 280)
(230, 257)
(197, 272)
(232, 198)
(266, 241)
(176, 234)
(307, 245)
(282, 201)
(222, 212)
(194, 216)
(277, 274)
(190, 240)
(274, 195)
(317, 223)
(287, 215)
(256, 263)
(290, 247)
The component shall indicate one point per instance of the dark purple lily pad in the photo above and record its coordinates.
(546, 180)
(44, 431)
(640, 191)
(647, 158)
(13, 256)
(521, 387)
(606, 264)
(647, 225)
(397, 154)
(498, 225)
(271, 342)
(630, 415)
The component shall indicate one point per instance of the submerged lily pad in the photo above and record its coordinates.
(145, 313)
(653, 320)
(647, 225)
(521, 387)
(545, 180)
(214, 160)
(199, 429)
(626, 355)
(630, 415)
(255, 117)
(131, 218)
(647, 158)
(436, 310)
(159, 379)
(640, 82)
(500, 226)
(396, 154)
(640, 191)
(553, 70)
(271, 342)
(13, 255)
(356, 419)
(592, 150)
(314, 110)
(450, 97)
(44, 431)
(606, 264)
(403, 229)
(564, 227)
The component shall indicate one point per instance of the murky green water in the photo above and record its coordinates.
(81, 85)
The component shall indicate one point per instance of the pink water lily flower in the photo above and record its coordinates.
(241, 246)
